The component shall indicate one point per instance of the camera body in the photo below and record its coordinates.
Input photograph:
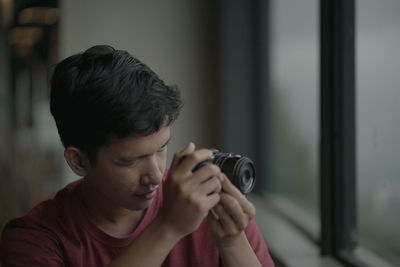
(239, 170)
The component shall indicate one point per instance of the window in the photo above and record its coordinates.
(294, 102)
(326, 78)
(378, 127)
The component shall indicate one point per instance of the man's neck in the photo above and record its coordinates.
(115, 221)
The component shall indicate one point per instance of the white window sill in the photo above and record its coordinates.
(286, 243)
(289, 245)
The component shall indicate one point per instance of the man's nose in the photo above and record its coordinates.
(148, 179)
(152, 174)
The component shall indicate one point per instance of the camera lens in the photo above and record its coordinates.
(239, 170)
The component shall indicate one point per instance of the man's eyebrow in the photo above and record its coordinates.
(130, 158)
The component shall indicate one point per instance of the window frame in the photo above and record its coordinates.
(337, 132)
(337, 77)
(338, 188)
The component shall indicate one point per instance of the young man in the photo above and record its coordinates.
(113, 116)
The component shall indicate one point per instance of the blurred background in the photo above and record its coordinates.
(249, 72)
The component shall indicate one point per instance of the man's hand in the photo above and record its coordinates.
(230, 216)
(189, 196)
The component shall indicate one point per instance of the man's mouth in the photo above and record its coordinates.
(148, 195)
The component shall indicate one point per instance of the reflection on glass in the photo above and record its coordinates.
(294, 51)
(378, 127)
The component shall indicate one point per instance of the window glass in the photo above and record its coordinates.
(378, 127)
(294, 72)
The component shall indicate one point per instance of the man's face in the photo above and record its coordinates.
(128, 171)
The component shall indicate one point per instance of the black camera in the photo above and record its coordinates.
(239, 170)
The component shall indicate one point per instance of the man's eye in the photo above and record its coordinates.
(162, 149)
(128, 162)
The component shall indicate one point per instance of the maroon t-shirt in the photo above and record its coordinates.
(57, 232)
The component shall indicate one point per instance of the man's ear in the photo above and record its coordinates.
(77, 160)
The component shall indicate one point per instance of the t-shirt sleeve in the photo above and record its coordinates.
(257, 242)
(28, 247)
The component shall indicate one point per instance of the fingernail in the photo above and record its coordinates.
(221, 177)
(189, 145)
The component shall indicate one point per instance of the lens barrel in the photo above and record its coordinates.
(240, 170)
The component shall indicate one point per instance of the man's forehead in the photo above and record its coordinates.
(140, 144)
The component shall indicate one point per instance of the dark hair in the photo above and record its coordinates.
(105, 92)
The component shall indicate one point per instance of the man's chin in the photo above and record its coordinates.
(140, 205)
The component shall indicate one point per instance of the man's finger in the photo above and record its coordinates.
(191, 161)
(188, 149)
(226, 220)
(229, 188)
(235, 210)
(246, 205)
